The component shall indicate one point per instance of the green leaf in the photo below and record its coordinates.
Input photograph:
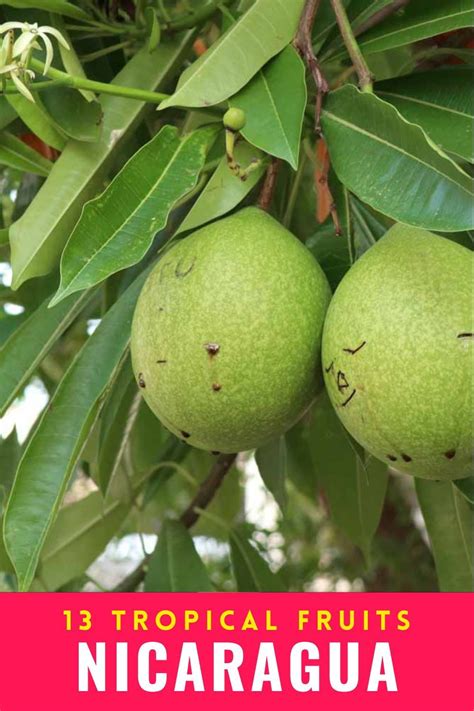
(419, 20)
(274, 103)
(7, 112)
(441, 102)
(9, 457)
(117, 228)
(79, 534)
(466, 487)
(175, 566)
(119, 415)
(224, 191)
(56, 444)
(21, 354)
(355, 489)
(71, 113)
(17, 154)
(265, 29)
(300, 466)
(272, 464)
(368, 227)
(449, 520)
(71, 62)
(331, 252)
(3, 236)
(251, 572)
(37, 120)
(60, 6)
(392, 165)
(39, 236)
(153, 28)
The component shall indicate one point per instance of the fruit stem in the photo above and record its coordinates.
(358, 60)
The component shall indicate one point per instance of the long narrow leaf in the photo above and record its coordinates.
(56, 445)
(17, 154)
(29, 343)
(265, 29)
(117, 228)
(39, 236)
(450, 522)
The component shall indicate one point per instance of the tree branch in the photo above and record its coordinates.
(208, 489)
(203, 498)
(304, 44)
(268, 187)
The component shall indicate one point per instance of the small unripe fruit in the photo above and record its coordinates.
(226, 335)
(234, 119)
(398, 353)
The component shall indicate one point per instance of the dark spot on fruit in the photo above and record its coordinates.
(331, 367)
(465, 335)
(355, 350)
(346, 402)
(182, 271)
(212, 348)
(161, 362)
(342, 382)
(215, 453)
(450, 454)
(186, 435)
(391, 457)
(406, 458)
(141, 381)
(216, 387)
(160, 309)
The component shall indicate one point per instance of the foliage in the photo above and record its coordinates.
(95, 182)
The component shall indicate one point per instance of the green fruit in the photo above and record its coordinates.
(226, 336)
(397, 353)
(235, 119)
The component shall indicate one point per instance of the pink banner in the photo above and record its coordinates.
(376, 651)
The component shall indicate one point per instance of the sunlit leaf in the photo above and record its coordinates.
(117, 228)
(392, 165)
(265, 29)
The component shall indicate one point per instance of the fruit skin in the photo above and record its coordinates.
(236, 310)
(405, 391)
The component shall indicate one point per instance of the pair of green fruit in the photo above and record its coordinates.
(227, 334)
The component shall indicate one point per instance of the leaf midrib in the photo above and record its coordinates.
(399, 150)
